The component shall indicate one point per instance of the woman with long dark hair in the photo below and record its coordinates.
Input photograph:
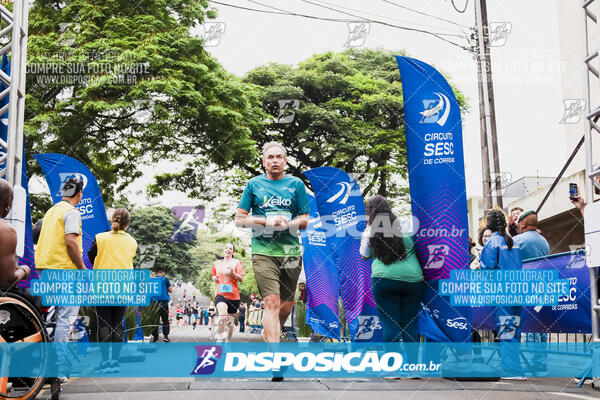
(397, 279)
(500, 252)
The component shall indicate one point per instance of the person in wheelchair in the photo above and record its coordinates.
(20, 320)
(10, 271)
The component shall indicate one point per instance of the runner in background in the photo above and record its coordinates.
(212, 311)
(226, 273)
(194, 315)
(242, 317)
(501, 252)
(179, 315)
(397, 277)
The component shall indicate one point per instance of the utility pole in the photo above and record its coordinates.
(489, 142)
(485, 152)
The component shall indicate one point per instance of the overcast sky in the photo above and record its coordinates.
(528, 104)
(253, 39)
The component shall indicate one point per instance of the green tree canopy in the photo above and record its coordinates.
(114, 96)
(154, 225)
(350, 116)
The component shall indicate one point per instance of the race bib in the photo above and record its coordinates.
(269, 231)
(286, 214)
(225, 288)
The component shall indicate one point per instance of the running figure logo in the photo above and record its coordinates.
(366, 327)
(357, 34)
(508, 326)
(574, 109)
(187, 221)
(287, 111)
(437, 256)
(207, 359)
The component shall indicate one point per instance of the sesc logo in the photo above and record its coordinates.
(344, 191)
(437, 256)
(207, 359)
(457, 323)
(436, 111)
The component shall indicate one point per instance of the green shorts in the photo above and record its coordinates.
(277, 275)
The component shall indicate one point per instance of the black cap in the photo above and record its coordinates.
(73, 185)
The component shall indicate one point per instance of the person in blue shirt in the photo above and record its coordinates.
(162, 302)
(533, 245)
(501, 252)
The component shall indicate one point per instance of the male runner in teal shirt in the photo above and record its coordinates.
(279, 206)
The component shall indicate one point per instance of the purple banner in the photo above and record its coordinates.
(434, 147)
(342, 210)
(322, 286)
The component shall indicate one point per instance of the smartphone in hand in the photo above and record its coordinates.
(573, 191)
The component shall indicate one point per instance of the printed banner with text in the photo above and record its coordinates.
(437, 187)
(342, 210)
(57, 168)
(322, 286)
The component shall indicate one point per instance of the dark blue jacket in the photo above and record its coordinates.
(496, 255)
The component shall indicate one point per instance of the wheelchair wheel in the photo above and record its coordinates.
(20, 322)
